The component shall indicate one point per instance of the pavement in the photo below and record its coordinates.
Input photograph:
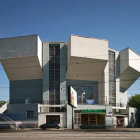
(69, 134)
(80, 130)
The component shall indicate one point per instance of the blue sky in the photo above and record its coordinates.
(54, 20)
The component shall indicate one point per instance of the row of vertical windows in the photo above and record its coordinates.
(30, 114)
(54, 74)
(112, 77)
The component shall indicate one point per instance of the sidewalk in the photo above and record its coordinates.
(124, 129)
(76, 130)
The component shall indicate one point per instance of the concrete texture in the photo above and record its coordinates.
(45, 72)
(129, 67)
(21, 57)
(26, 89)
(84, 63)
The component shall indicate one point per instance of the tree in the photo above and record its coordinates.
(2, 103)
(134, 101)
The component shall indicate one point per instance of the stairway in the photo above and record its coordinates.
(6, 122)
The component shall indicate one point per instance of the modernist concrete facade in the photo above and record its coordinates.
(40, 73)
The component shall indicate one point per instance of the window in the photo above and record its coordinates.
(53, 109)
(112, 77)
(54, 74)
(30, 114)
(87, 91)
(77, 118)
(27, 101)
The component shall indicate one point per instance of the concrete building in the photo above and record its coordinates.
(40, 73)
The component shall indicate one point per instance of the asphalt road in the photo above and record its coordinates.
(69, 135)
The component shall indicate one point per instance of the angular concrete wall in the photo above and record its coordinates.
(21, 57)
(89, 47)
(129, 68)
(87, 58)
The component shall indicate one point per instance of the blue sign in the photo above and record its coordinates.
(89, 101)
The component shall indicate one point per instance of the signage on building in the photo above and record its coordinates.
(109, 114)
(94, 111)
(90, 101)
(72, 96)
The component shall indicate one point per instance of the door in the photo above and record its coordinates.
(120, 121)
(53, 118)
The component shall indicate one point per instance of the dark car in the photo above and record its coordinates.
(50, 125)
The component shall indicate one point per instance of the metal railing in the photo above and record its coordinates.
(118, 104)
(32, 101)
(7, 120)
(48, 102)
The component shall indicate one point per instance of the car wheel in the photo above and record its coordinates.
(57, 127)
(44, 128)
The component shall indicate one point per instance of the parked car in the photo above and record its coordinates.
(50, 125)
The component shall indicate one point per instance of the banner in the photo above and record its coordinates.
(89, 101)
(72, 97)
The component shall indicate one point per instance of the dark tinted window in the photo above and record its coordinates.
(54, 74)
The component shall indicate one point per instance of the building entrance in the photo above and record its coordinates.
(90, 118)
(93, 119)
(120, 121)
(53, 118)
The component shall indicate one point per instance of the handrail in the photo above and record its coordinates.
(11, 122)
(8, 118)
(31, 101)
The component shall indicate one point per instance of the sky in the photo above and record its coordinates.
(55, 20)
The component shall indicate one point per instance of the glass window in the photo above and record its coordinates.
(27, 101)
(54, 74)
(112, 77)
(30, 114)
(87, 91)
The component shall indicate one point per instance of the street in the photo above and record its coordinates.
(53, 134)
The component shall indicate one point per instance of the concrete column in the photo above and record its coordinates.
(63, 64)
(69, 116)
(45, 72)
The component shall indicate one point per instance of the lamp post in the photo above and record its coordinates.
(72, 118)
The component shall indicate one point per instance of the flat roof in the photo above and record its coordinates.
(130, 49)
(54, 42)
(88, 37)
(20, 36)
